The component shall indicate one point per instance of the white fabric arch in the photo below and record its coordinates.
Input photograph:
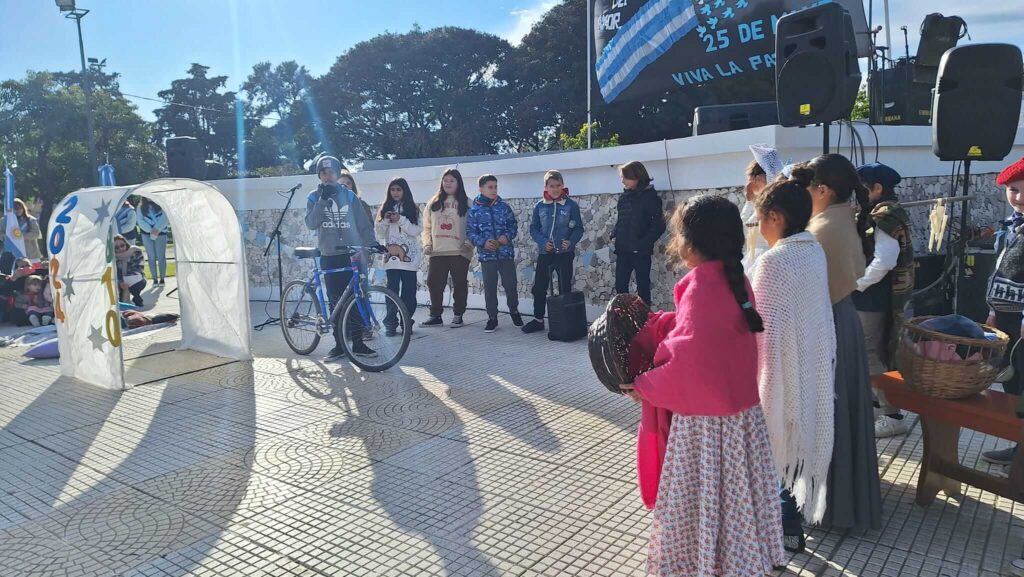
(211, 272)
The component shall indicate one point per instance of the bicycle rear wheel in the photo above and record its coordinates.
(300, 318)
(366, 324)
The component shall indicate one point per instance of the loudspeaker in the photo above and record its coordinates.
(977, 102)
(817, 74)
(185, 158)
(215, 170)
(726, 117)
(938, 34)
(904, 102)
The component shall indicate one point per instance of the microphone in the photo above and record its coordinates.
(294, 188)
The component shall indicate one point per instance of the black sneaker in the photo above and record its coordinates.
(794, 543)
(517, 319)
(137, 301)
(457, 321)
(432, 322)
(534, 326)
(492, 323)
(360, 349)
(334, 354)
(1001, 457)
(391, 332)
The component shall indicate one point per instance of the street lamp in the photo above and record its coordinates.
(67, 7)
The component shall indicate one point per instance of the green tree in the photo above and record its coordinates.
(419, 94)
(578, 141)
(549, 78)
(861, 108)
(42, 132)
(275, 100)
(198, 107)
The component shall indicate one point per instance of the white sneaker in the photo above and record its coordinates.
(33, 320)
(886, 426)
(1017, 567)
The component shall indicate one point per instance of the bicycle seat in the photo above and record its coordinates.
(306, 252)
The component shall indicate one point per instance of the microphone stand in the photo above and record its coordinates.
(275, 239)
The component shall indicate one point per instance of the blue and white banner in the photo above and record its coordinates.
(651, 32)
(14, 241)
(718, 51)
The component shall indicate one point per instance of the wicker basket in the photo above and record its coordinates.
(973, 371)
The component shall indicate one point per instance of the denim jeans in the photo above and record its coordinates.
(403, 283)
(156, 252)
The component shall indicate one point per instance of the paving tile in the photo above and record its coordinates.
(221, 555)
(35, 481)
(30, 550)
(359, 436)
(127, 528)
(300, 463)
(292, 466)
(218, 491)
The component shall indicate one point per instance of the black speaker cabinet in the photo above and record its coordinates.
(977, 102)
(938, 34)
(904, 102)
(726, 117)
(185, 158)
(817, 74)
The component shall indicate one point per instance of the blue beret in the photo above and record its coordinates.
(876, 172)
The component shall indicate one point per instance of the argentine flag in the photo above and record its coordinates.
(14, 242)
(649, 33)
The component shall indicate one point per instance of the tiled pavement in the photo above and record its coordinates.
(484, 455)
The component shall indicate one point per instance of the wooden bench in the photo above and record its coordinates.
(991, 412)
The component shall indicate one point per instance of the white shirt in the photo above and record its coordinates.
(756, 245)
(887, 254)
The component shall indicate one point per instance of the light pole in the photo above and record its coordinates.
(67, 7)
(590, 48)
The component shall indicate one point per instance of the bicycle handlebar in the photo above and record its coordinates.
(378, 248)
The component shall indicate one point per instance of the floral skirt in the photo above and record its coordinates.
(718, 500)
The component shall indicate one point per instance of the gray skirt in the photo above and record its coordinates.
(854, 493)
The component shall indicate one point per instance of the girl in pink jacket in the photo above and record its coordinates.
(709, 464)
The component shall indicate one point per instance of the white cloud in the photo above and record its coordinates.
(525, 18)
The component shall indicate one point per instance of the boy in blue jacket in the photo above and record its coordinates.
(491, 227)
(557, 228)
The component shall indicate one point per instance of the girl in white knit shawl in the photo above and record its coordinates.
(796, 353)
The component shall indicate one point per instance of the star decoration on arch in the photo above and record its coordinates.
(69, 288)
(102, 211)
(96, 338)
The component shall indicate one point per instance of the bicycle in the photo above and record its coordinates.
(372, 315)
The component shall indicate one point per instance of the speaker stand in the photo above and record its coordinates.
(961, 255)
(824, 137)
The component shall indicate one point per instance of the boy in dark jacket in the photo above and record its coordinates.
(557, 228)
(491, 227)
(640, 224)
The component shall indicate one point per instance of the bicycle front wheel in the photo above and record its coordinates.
(300, 317)
(376, 329)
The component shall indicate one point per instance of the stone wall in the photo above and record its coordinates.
(594, 272)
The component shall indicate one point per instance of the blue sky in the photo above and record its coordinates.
(152, 42)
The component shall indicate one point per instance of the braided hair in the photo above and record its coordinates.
(789, 198)
(711, 225)
(838, 173)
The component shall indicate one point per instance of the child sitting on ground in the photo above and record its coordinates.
(36, 301)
